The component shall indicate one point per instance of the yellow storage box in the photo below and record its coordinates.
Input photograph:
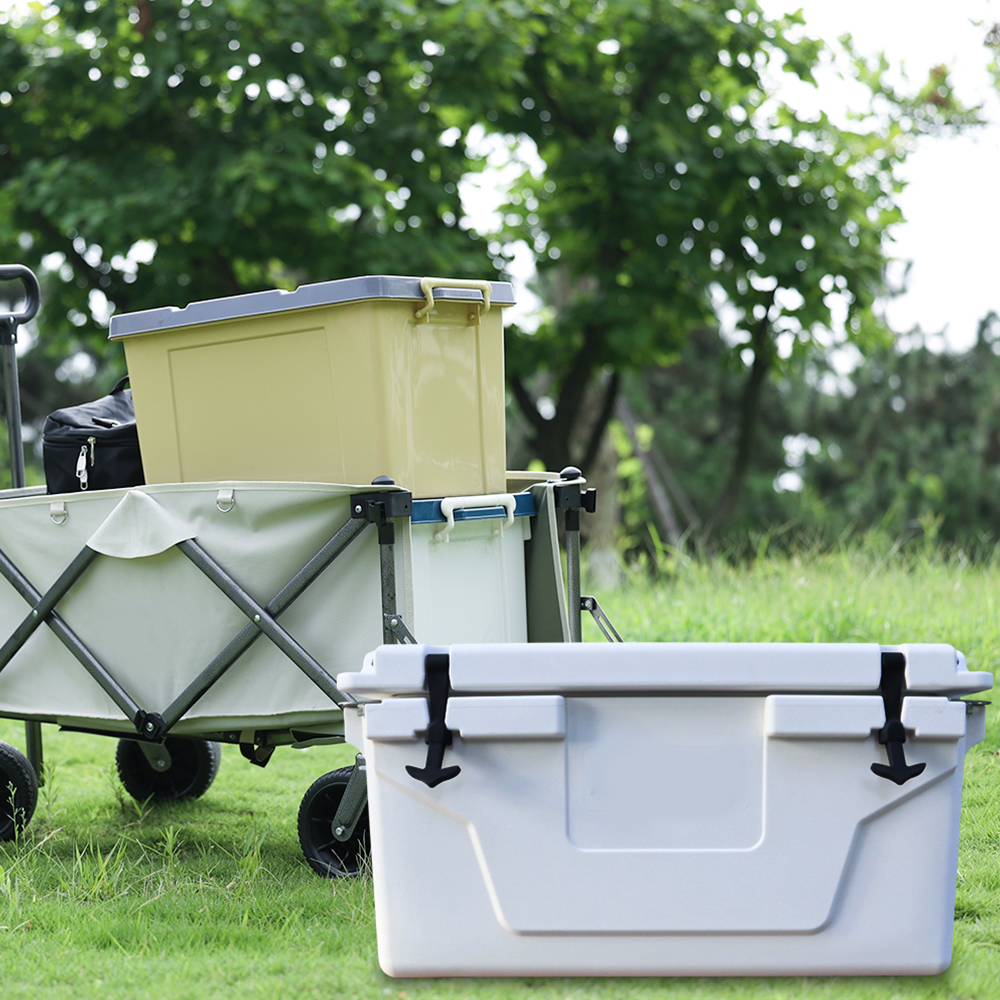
(337, 382)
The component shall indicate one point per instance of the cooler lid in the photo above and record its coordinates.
(323, 293)
(623, 668)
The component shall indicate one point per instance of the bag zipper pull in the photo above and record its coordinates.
(81, 462)
(81, 467)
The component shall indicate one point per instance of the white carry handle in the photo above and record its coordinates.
(450, 504)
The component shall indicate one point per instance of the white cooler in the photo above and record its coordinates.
(664, 809)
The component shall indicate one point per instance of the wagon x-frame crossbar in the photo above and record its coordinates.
(370, 508)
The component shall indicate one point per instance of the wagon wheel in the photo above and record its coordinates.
(18, 791)
(193, 767)
(328, 856)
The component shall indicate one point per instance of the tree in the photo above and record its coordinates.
(914, 443)
(173, 150)
(673, 182)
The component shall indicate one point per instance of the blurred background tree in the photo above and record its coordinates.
(908, 443)
(696, 239)
(165, 152)
(675, 189)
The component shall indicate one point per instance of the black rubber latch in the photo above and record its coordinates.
(437, 684)
(893, 735)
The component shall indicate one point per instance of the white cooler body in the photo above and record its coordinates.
(664, 809)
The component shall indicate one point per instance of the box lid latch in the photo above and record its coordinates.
(437, 683)
(892, 735)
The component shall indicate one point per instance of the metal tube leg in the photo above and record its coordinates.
(260, 616)
(12, 394)
(249, 635)
(33, 744)
(573, 575)
(352, 805)
(44, 610)
(387, 565)
(44, 603)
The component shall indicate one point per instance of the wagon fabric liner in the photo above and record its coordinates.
(154, 620)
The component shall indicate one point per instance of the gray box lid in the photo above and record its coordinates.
(323, 293)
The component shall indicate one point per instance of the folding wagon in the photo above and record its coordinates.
(178, 616)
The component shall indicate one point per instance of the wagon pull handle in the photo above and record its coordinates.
(8, 338)
(9, 322)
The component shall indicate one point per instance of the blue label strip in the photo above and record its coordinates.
(429, 511)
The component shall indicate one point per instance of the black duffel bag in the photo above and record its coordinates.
(94, 446)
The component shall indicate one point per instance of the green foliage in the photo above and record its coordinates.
(672, 178)
(908, 443)
(169, 152)
(912, 442)
(691, 413)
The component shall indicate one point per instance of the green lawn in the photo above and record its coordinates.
(212, 898)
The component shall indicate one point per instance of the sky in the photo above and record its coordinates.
(951, 202)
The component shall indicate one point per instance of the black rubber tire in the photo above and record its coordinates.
(326, 855)
(18, 791)
(194, 765)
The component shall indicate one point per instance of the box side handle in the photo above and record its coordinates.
(450, 504)
(427, 286)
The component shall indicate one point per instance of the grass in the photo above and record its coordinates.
(106, 896)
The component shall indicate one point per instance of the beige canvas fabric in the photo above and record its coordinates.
(153, 619)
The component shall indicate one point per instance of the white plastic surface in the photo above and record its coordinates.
(508, 717)
(941, 669)
(674, 830)
(818, 717)
(396, 720)
(472, 588)
(665, 666)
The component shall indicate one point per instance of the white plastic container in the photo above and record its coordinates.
(664, 809)
(468, 572)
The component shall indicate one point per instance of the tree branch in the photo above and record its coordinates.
(600, 424)
(526, 404)
(662, 507)
(749, 409)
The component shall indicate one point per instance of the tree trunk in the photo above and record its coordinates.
(763, 349)
(662, 507)
(558, 442)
